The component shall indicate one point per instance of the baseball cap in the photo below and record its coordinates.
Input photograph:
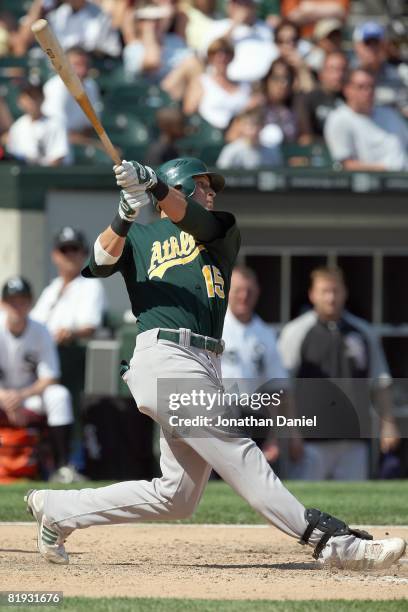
(324, 27)
(68, 236)
(16, 285)
(368, 31)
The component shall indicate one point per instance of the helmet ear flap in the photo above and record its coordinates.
(188, 186)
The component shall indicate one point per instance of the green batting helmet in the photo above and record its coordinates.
(180, 173)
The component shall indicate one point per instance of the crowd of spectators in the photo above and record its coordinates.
(264, 75)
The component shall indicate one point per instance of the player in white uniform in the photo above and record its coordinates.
(177, 272)
(71, 306)
(29, 370)
(251, 354)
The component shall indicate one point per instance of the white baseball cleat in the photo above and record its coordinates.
(371, 554)
(50, 543)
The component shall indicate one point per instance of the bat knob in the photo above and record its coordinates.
(39, 25)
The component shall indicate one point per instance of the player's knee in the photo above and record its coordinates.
(182, 508)
(58, 405)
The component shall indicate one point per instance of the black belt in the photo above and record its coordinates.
(201, 342)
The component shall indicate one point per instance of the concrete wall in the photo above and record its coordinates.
(22, 237)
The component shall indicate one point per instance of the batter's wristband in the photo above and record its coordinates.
(120, 226)
(160, 190)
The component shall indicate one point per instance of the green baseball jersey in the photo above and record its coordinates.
(178, 275)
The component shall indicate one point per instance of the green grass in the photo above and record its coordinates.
(376, 502)
(123, 604)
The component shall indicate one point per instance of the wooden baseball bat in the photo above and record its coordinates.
(50, 45)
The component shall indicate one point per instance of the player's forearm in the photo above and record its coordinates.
(36, 388)
(355, 164)
(309, 12)
(383, 402)
(111, 242)
(200, 223)
(174, 205)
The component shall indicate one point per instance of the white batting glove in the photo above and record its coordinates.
(133, 177)
(130, 205)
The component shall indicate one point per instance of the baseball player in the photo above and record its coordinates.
(29, 370)
(177, 274)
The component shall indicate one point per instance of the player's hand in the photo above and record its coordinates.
(389, 444)
(389, 438)
(133, 177)
(63, 336)
(10, 400)
(131, 203)
(271, 450)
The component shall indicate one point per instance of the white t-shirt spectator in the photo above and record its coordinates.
(81, 304)
(253, 46)
(174, 51)
(42, 141)
(240, 154)
(59, 103)
(219, 106)
(26, 358)
(251, 352)
(379, 138)
(89, 28)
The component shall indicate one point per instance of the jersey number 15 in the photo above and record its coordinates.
(214, 281)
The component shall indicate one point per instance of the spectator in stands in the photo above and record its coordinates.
(330, 343)
(363, 136)
(75, 23)
(59, 103)
(152, 46)
(251, 38)
(327, 38)
(246, 151)
(170, 122)
(212, 94)
(279, 102)
(29, 371)
(116, 9)
(71, 306)
(8, 28)
(34, 138)
(294, 50)
(306, 13)
(327, 96)
(370, 53)
(251, 352)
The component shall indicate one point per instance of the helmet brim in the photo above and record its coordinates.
(217, 181)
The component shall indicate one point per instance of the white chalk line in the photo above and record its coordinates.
(204, 525)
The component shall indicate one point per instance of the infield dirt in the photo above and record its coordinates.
(190, 561)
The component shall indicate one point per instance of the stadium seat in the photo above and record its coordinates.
(88, 155)
(132, 97)
(315, 155)
(125, 129)
(201, 138)
(18, 8)
(210, 153)
(9, 91)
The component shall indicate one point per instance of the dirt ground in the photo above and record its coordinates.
(189, 561)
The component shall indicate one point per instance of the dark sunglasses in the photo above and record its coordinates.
(72, 248)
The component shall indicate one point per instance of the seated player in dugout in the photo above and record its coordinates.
(29, 372)
(177, 273)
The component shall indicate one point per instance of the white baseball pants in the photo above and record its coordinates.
(55, 403)
(336, 459)
(185, 463)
